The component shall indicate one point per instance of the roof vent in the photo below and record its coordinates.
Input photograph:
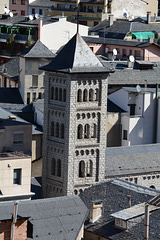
(12, 117)
(95, 210)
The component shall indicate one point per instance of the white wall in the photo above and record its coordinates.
(38, 116)
(125, 126)
(158, 122)
(57, 34)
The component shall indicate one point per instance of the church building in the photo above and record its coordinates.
(75, 110)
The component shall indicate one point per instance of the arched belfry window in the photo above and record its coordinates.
(96, 94)
(85, 95)
(86, 131)
(79, 95)
(91, 95)
(52, 93)
(81, 169)
(94, 126)
(52, 129)
(64, 95)
(79, 131)
(60, 94)
(59, 168)
(56, 93)
(53, 166)
(89, 168)
(57, 129)
(62, 130)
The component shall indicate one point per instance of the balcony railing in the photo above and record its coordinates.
(17, 37)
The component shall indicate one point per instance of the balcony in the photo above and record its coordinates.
(17, 37)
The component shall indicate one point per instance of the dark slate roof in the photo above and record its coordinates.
(10, 95)
(58, 218)
(123, 161)
(39, 104)
(41, 3)
(119, 42)
(37, 50)
(12, 69)
(76, 57)
(113, 108)
(114, 196)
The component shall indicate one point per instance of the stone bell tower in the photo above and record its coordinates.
(74, 120)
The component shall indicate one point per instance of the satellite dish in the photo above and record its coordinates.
(115, 52)
(125, 15)
(131, 58)
(6, 10)
(30, 17)
(11, 14)
(138, 88)
(36, 15)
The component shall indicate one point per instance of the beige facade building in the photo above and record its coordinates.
(152, 7)
(3, 4)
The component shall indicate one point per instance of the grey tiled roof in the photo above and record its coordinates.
(119, 42)
(75, 57)
(10, 95)
(114, 196)
(12, 69)
(41, 3)
(138, 159)
(37, 50)
(54, 218)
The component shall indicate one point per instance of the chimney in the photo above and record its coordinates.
(148, 17)
(40, 24)
(145, 84)
(95, 210)
(105, 6)
(110, 19)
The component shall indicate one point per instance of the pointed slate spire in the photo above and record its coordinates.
(75, 57)
(37, 50)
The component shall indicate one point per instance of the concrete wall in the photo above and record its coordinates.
(63, 30)
(7, 166)
(18, 7)
(152, 7)
(6, 138)
(136, 8)
(152, 53)
(36, 146)
(113, 129)
(2, 5)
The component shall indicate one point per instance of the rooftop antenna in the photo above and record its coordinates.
(78, 16)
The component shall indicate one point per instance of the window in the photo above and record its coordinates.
(124, 52)
(40, 95)
(81, 169)
(53, 166)
(59, 168)
(125, 133)
(137, 54)
(85, 95)
(79, 131)
(60, 94)
(40, 11)
(17, 176)
(64, 95)
(86, 131)
(34, 80)
(33, 96)
(91, 95)
(23, 13)
(56, 94)
(52, 129)
(28, 98)
(130, 51)
(94, 130)
(132, 109)
(18, 138)
(79, 95)
(52, 93)
(13, 1)
(22, 2)
(33, 10)
(57, 129)
(62, 130)
(89, 168)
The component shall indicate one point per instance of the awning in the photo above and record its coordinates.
(143, 35)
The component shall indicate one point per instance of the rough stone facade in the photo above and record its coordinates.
(74, 132)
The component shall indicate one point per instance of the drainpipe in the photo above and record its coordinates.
(146, 222)
(14, 219)
(40, 25)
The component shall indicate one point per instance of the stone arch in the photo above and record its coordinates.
(79, 95)
(85, 95)
(62, 130)
(96, 94)
(91, 94)
(81, 169)
(52, 93)
(52, 128)
(56, 93)
(94, 130)
(60, 94)
(86, 131)
(57, 129)
(59, 168)
(89, 168)
(153, 187)
(80, 131)
(53, 166)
